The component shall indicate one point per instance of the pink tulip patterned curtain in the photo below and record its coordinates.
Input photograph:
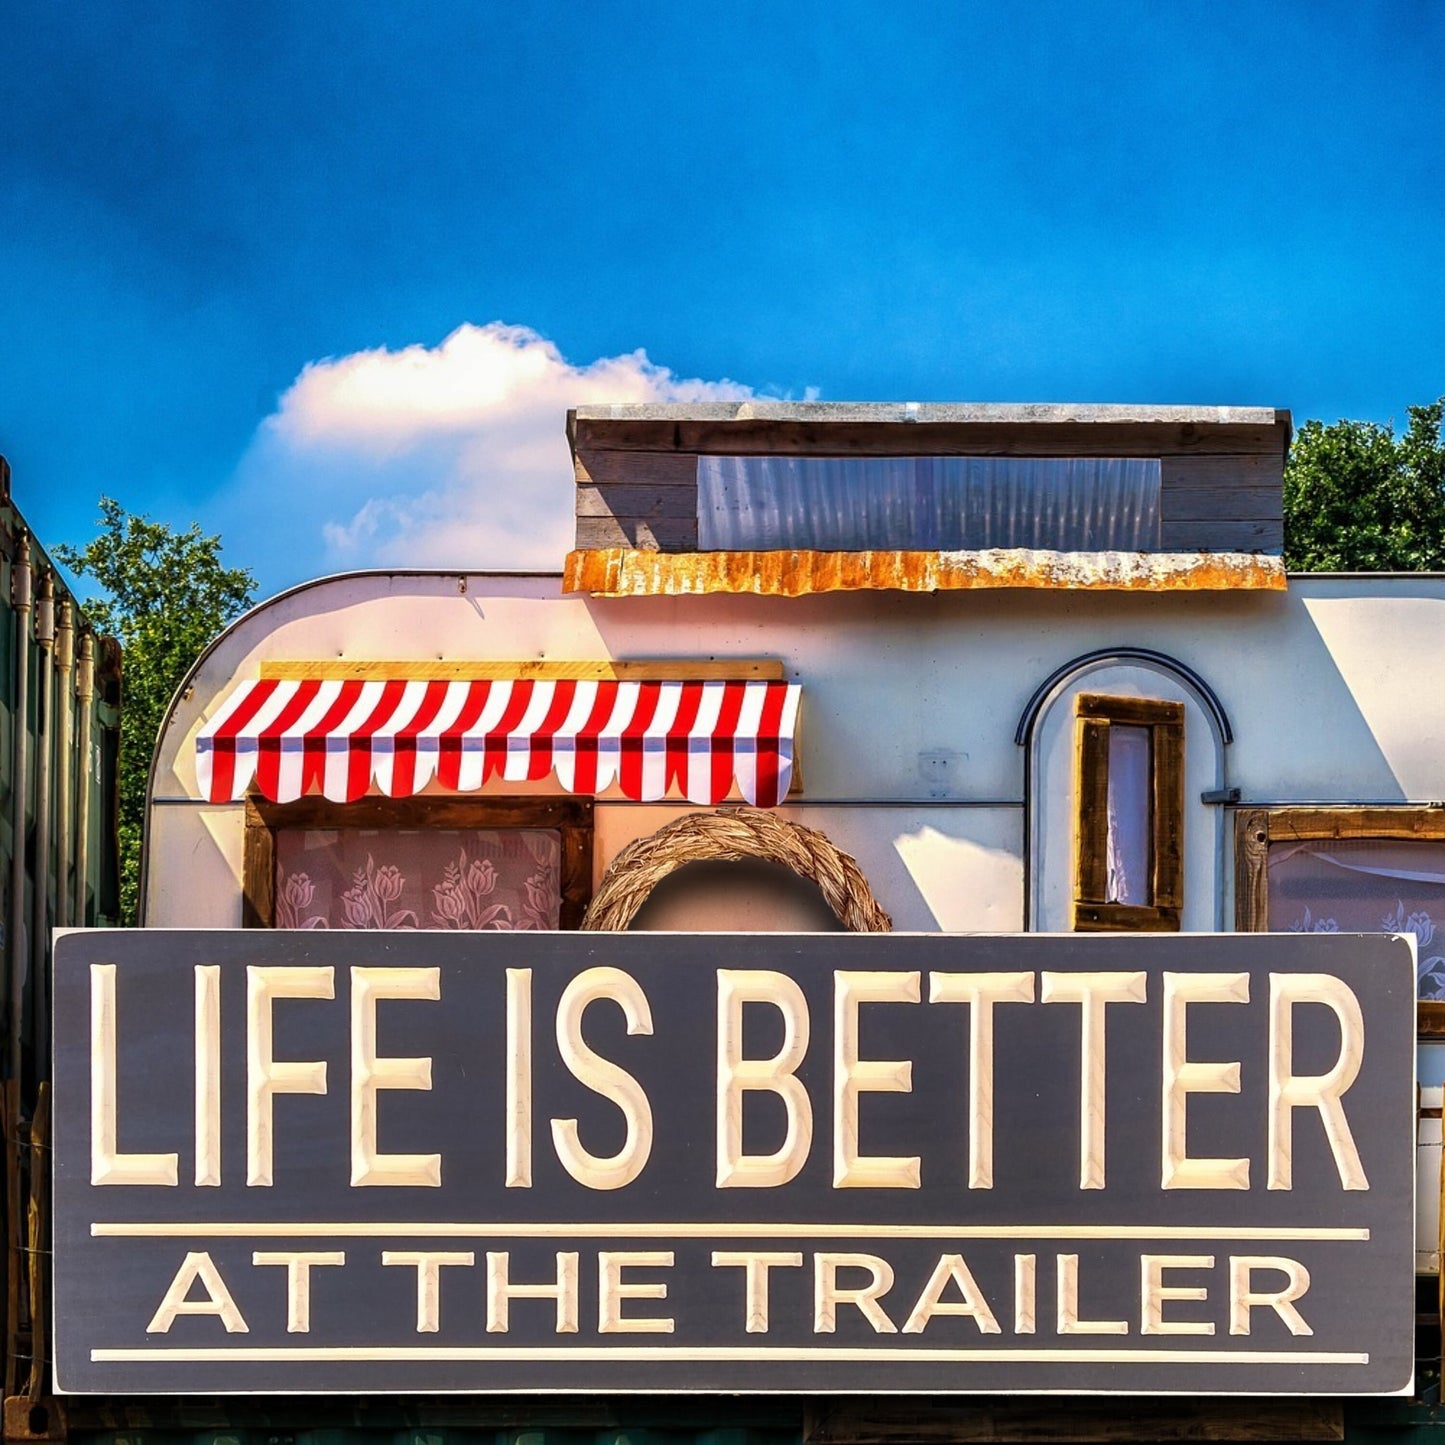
(424, 878)
(1365, 885)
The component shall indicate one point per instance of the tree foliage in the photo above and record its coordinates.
(1358, 498)
(165, 595)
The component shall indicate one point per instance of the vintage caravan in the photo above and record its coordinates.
(939, 670)
(1056, 679)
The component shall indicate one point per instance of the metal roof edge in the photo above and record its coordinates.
(992, 413)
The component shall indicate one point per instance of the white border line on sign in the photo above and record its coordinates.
(382, 1353)
(192, 1229)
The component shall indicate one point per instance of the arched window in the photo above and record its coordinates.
(1124, 777)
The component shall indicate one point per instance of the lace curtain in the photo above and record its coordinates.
(1365, 885)
(424, 878)
(1131, 785)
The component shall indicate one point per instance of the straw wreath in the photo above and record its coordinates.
(730, 835)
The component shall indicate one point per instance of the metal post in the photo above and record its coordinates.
(85, 706)
(64, 756)
(20, 596)
(40, 895)
(20, 600)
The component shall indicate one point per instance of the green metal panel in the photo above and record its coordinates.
(40, 741)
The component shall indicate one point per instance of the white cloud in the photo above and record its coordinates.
(448, 456)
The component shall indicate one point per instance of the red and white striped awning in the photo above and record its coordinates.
(338, 737)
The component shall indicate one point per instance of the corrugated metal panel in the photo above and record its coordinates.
(624, 572)
(58, 846)
(935, 504)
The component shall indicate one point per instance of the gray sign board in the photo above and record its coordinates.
(367, 1162)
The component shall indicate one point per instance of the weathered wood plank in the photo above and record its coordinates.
(1167, 822)
(258, 871)
(660, 669)
(662, 534)
(632, 468)
(1251, 871)
(433, 811)
(1079, 1421)
(1198, 489)
(576, 866)
(1125, 918)
(1137, 711)
(1222, 536)
(619, 500)
(1292, 824)
(784, 438)
(1238, 473)
(1091, 788)
(1223, 504)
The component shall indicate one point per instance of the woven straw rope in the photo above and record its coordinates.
(730, 836)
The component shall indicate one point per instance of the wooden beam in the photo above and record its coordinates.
(1222, 536)
(1125, 918)
(646, 534)
(762, 436)
(1137, 711)
(1082, 1421)
(626, 468)
(708, 669)
(1091, 823)
(1221, 488)
(1292, 824)
(1251, 871)
(1167, 820)
(642, 502)
(1223, 504)
(1232, 473)
(258, 871)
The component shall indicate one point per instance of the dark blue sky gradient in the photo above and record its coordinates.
(1107, 202)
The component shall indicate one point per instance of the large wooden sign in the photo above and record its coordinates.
(519, 1161)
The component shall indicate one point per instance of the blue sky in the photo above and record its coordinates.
(236, 239)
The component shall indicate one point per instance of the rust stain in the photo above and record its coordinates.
(623, 572)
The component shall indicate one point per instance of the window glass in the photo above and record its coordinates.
(1131, 781)
(422, 878)
(1364, 885)
(1129, 796)
(936, 504)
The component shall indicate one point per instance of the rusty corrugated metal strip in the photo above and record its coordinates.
(623, 572)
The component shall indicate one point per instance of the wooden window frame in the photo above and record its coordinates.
(1256, 828)
(1094, 714)
(572, 817)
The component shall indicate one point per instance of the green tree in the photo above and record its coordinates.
(1358, 498)
(165, 595)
